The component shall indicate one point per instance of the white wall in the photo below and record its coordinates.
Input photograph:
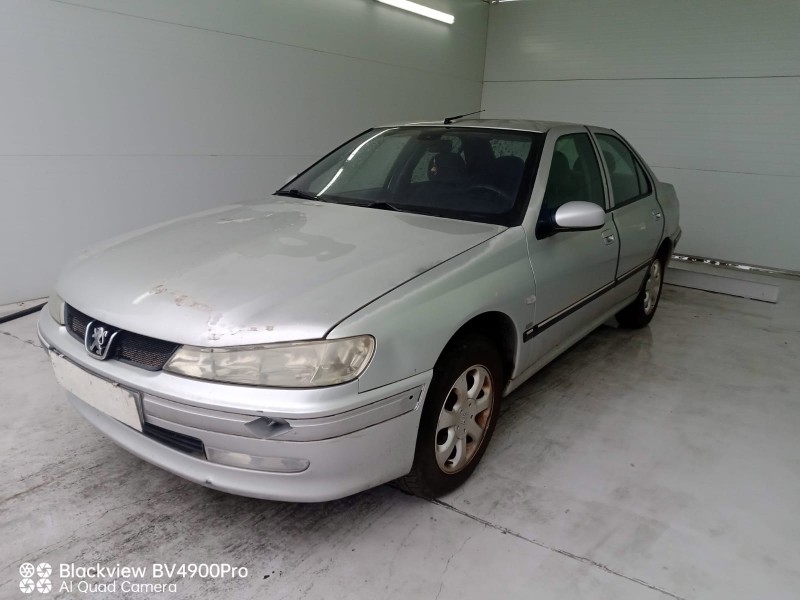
(115, 114)
(708, 92)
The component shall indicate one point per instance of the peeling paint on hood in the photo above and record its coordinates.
(269, 271)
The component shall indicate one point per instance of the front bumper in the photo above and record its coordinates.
(349, 441)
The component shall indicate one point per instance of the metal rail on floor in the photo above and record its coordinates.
(744, 267)
(21, 313)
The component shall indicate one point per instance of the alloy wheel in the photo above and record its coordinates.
(464, 418)
(652, 288)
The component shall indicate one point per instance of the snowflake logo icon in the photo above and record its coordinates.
(44, 586)
(26, 586)
(26, 570)
(43, 570)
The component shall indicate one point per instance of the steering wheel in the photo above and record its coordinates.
(491, 188)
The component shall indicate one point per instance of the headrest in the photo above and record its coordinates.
(561, 178)
(447, 167)
(509, 162)
(507, 172)
(610, 162)
(560, 163)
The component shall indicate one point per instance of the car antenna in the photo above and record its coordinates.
(449, 120)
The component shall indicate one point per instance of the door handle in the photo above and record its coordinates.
(608, 237)
(657, 215)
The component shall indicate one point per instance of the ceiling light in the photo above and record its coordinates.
(421, 10)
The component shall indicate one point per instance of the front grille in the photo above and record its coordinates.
(132, 348)
(76, 322)
(173, 439)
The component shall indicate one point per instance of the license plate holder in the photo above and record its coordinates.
(117, 402)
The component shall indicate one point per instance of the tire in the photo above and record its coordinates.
(640, 312)
(458, 408)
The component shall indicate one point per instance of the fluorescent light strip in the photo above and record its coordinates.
(330, 183)
(362, 144)
(421, 10)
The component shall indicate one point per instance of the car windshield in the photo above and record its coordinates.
(465, 173)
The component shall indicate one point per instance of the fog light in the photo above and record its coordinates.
(274, 464)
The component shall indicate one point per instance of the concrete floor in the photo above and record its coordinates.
(662, 463)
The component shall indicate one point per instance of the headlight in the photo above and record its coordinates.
(296, 364)
(56, 307)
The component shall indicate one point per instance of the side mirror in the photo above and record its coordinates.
(578, 216)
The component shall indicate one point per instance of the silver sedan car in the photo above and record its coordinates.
(364, 322)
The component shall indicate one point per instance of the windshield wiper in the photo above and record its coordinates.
(295, 193)
(381, 205)
(377, 204)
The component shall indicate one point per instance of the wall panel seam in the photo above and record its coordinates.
(688, 78)
(791, 175)
(259, 39)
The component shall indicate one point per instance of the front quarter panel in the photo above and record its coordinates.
(413, 323)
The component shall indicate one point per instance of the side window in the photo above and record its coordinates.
(644, 182)
(574, 173)
(628, 179)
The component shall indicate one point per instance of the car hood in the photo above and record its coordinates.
(269, 271)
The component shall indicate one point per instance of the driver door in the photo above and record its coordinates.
(573, 270)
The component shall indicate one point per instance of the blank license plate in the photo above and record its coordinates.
(115, 401)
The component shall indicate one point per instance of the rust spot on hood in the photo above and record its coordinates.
(180, 298)
(217, 329)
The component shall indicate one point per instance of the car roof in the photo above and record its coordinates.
(516, 124)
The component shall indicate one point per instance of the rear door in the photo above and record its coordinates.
(636, 212)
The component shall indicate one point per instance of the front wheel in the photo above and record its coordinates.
(458, 417)
(640, 312)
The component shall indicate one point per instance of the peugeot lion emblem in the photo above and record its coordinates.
(98, 340)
